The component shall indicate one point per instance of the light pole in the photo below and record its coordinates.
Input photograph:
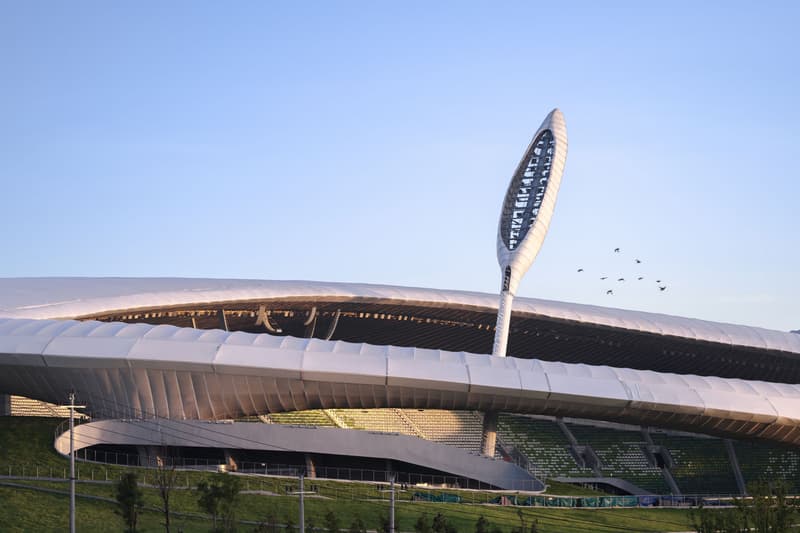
(391, 502)
(302, 506)
(72, 407)
(524, 220)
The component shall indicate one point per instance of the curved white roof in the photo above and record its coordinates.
(79, 297)
(128, 370)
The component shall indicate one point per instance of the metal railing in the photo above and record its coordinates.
(281, 480)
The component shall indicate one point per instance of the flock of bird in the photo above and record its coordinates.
(660, 284)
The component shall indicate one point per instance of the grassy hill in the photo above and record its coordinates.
(43, 505)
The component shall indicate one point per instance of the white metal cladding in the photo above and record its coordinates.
(124, 370)
(275, 437)
(79, 297)
(521, 258)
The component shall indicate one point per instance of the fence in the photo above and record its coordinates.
(105, 457)
(281, 481)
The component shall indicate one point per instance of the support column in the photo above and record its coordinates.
(737, 472)
(489, 431)
(503, 324)
(311, 468)
(489, 435)
(5, 405)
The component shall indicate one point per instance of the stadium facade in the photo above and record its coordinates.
(140, 346)
(56, 336)
(209, 349)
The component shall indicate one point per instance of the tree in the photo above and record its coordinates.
(442, 525)
(219, 498)
(422, 525)
(331, 521)
(231, 486)
(718, 520)
(166, 477)
(766, 510)
(130, 499)
(483, 526)
(358, 526)
(209, 500)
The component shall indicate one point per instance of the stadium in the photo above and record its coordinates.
(336, 376)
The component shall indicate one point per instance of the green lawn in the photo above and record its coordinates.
(28, 442)
(30, 510)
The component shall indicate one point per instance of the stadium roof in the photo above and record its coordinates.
(132, 370)
(88, 297)
(169, 369)
(421, 318)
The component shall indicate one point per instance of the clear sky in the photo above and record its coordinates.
(373, 142)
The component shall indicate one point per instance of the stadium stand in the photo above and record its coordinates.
(701, 465)
(543, 444)
(760, 461)
(381, 420)
(621, 455)
(312, 418)
(456, 428)
(21, 406)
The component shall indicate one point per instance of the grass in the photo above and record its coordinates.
(28, 442)
(36, 511)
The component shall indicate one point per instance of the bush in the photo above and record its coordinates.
(130, 499)
(331, 521)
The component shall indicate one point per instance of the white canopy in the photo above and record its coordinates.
(81, 297)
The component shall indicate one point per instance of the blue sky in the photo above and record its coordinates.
(373, 142)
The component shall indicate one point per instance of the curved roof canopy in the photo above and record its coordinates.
(176, 371)
(130, 370)
(415, 317)
(89, 297)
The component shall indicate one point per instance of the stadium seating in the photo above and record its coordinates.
(543, 443)
(701, 465)
(621, 455)
(455, 428)
(382, 420)
(760, 461)
(314, 417)
(21, 406)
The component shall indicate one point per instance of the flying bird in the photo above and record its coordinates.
(580, 270)
(616, 250)
(662, 288)
(604, 277)
(638, 261)
(658, 281)
(640, 277)
(609, 291)
(621, 279)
